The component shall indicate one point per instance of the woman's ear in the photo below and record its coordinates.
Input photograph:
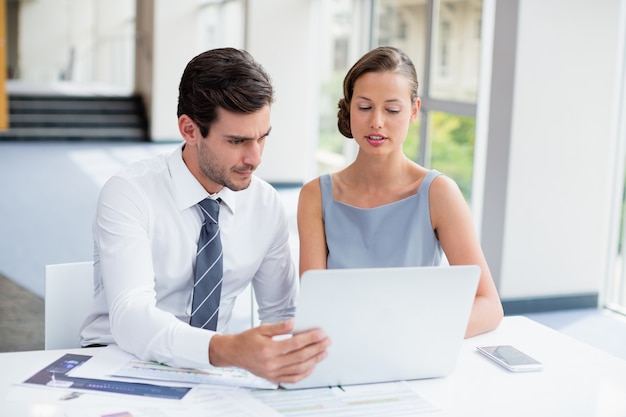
(415, 111)
(187, 129)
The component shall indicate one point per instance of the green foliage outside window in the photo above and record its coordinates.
(452, 147)
(411, 144)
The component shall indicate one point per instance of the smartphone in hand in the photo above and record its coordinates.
(511, 358)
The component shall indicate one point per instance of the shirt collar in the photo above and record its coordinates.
(187, 189)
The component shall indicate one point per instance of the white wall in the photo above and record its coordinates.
(282, 36)
(289, 60)
(100, 32)
(113, 30)
(557, 193)
(43, 54)
(175, 43)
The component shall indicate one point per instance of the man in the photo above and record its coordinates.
(147, 232)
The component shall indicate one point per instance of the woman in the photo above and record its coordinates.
(384, 209)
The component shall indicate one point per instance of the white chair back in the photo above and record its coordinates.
(68, 297)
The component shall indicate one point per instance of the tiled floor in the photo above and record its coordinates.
(21, 318)
(49, 196)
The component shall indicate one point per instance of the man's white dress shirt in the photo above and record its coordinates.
(146, 231)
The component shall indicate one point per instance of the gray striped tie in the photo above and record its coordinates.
(207, 287)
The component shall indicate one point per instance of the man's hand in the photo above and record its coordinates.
(279, 360)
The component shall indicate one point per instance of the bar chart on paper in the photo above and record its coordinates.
(372, 400)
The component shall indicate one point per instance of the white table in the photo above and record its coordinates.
(578, 380)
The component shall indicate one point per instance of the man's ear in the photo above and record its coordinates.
(187, 129)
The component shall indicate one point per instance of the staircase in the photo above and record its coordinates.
(75, 118)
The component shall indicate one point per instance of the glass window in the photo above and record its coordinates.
(403, 23)
(338, 50)
(442, 37)
(221, 24)
(452, 148)
(615, 294)
(411, 144)
(616, 288)
(444, 50)
(455, 49)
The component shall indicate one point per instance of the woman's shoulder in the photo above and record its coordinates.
(311, 189)
(445, 195)
(442, 184)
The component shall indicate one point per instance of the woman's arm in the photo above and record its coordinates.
(453, 224)
(313, 249)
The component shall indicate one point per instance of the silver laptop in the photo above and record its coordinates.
(386, 324)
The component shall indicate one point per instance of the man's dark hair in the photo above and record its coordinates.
(225, 77)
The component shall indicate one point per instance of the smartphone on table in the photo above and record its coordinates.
(511, 358)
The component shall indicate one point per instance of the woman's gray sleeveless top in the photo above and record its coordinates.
(393, 235)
